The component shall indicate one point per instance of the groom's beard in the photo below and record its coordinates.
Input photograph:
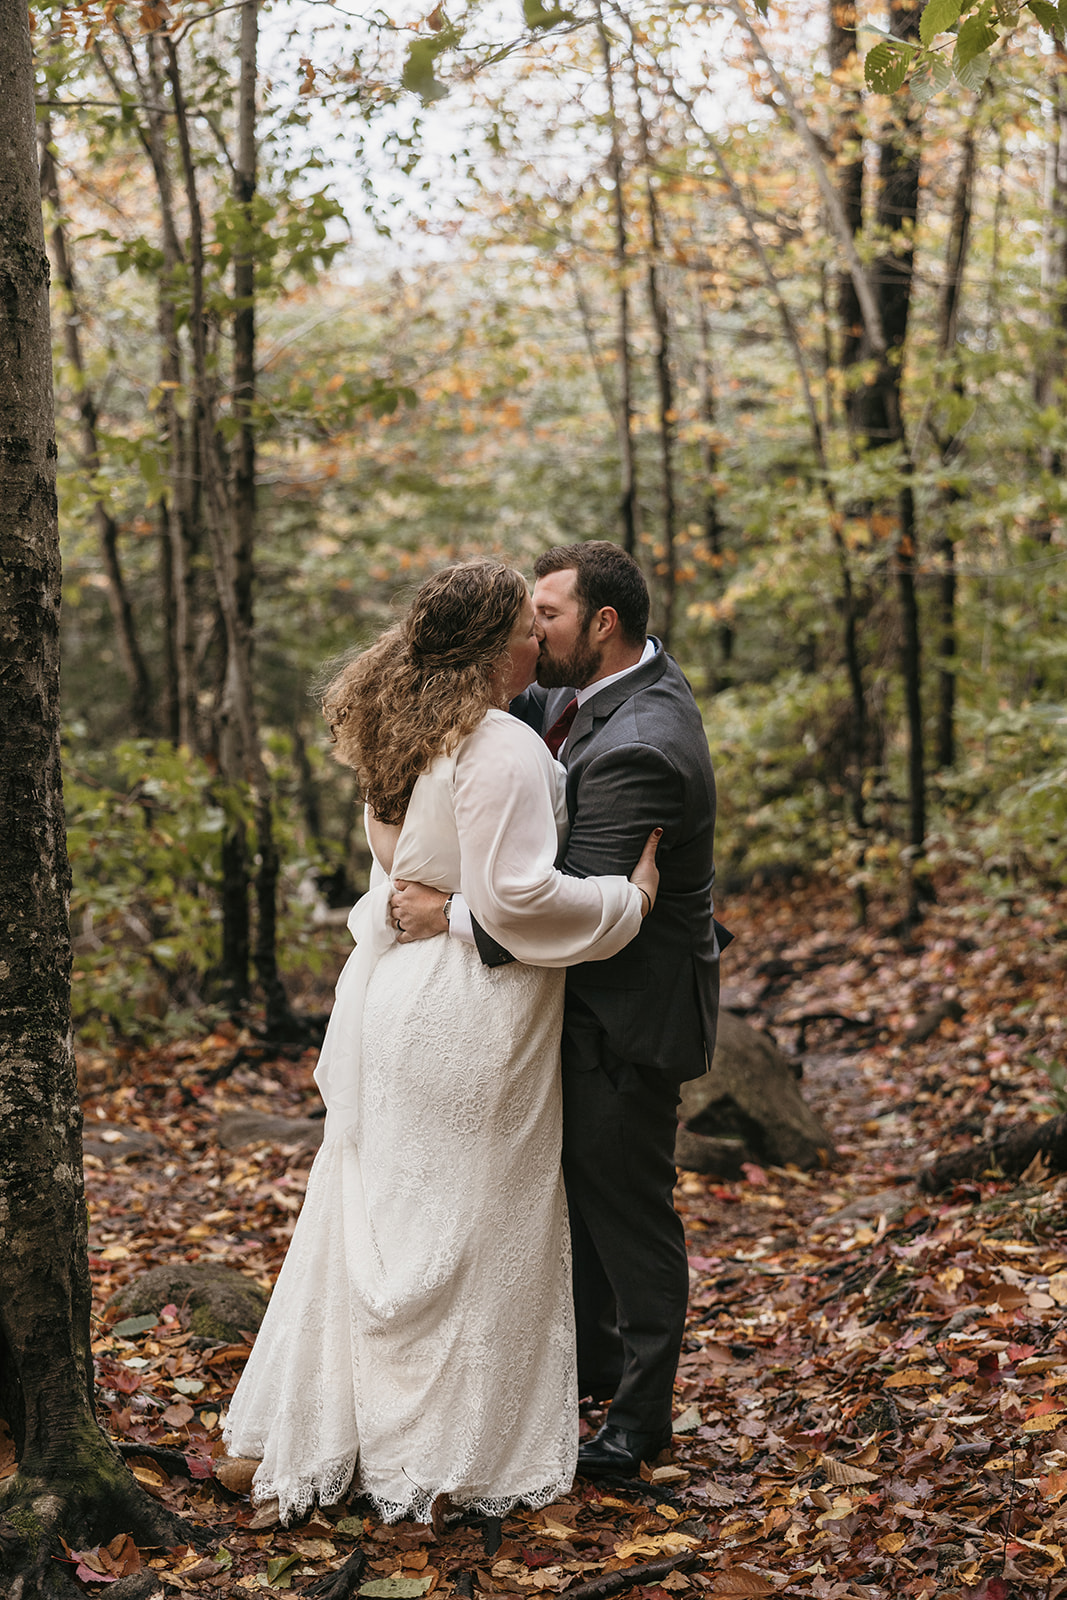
(573, 671)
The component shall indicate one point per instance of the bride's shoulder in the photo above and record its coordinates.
(500, 736)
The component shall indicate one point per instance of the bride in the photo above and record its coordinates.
(420, 1335)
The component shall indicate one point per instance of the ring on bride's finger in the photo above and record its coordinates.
(399, 929)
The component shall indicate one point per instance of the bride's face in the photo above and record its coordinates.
(520, 665)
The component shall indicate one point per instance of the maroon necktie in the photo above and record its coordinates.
(559, 730)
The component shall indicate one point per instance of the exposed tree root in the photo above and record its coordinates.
(1010, 1155)
(91, 1500)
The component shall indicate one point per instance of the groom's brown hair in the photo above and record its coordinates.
(604, 575)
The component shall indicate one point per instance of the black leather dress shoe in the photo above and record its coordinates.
(619, 1451)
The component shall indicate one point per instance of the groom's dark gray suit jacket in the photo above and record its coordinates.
(637, 758)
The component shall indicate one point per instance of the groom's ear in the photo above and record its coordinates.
(606, 622)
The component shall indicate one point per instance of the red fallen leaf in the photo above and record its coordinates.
(125, 1381)
(1041, 1408)
(992, 1589)
(199, 1467)
(1021, 1352)
(753, 1174)
(86, 1574)
(539, 1558)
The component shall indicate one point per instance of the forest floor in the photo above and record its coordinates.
(872, 1397)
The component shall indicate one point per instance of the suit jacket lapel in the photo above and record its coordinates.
(603, 705)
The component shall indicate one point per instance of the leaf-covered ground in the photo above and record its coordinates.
(872, 1398)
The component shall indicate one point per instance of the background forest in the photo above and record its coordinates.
(340, 298)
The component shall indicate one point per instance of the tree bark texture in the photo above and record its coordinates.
(847, 139)
(69, 1477)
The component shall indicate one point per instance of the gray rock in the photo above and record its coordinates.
(748, 1101)
(223, 1304)
(894, 1202)
(110, 1142)
(240, 1128)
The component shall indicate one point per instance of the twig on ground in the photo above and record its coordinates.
(344, 1582)
(627, 1577)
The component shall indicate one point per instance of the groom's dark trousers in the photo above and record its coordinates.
(635, 1026)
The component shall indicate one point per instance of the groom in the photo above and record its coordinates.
(621, 717)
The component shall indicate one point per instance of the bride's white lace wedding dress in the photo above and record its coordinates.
(421, 1333)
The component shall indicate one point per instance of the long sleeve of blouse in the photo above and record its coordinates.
(510, 814)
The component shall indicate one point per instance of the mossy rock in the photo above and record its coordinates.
(748, 1107)
(223, 1304)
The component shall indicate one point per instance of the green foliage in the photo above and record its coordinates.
(886, 65)
(776, 751)
(938, 16)
(144, 832)
(145, 827)
(1057, 1078)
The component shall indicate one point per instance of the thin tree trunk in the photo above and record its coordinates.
(234, 718)
(624, 415)
(244, 318)
(848, 596)
(171, 692)
(280, 1021)
(713, 524)
(847, 140)
(181, 502)
(1052, 368)
(666, 418)
(70, 1480)
(589, 333)
(133, 662)
(959, 240)
(230, 518)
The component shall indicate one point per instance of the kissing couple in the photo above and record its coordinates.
(520, 991)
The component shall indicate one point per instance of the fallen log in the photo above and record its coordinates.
(1007, 1156)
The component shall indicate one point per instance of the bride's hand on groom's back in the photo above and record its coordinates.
(645, 875)
(417, 912)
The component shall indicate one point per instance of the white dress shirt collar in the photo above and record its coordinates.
(601, 683)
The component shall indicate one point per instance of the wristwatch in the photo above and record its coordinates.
(447, 909)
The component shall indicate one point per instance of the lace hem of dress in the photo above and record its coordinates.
(328, 1485)
(296, 1497)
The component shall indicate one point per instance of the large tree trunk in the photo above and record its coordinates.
(70, 1480)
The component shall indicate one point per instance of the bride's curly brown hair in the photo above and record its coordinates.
(426, 683)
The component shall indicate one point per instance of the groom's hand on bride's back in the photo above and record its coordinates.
(417, 912)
